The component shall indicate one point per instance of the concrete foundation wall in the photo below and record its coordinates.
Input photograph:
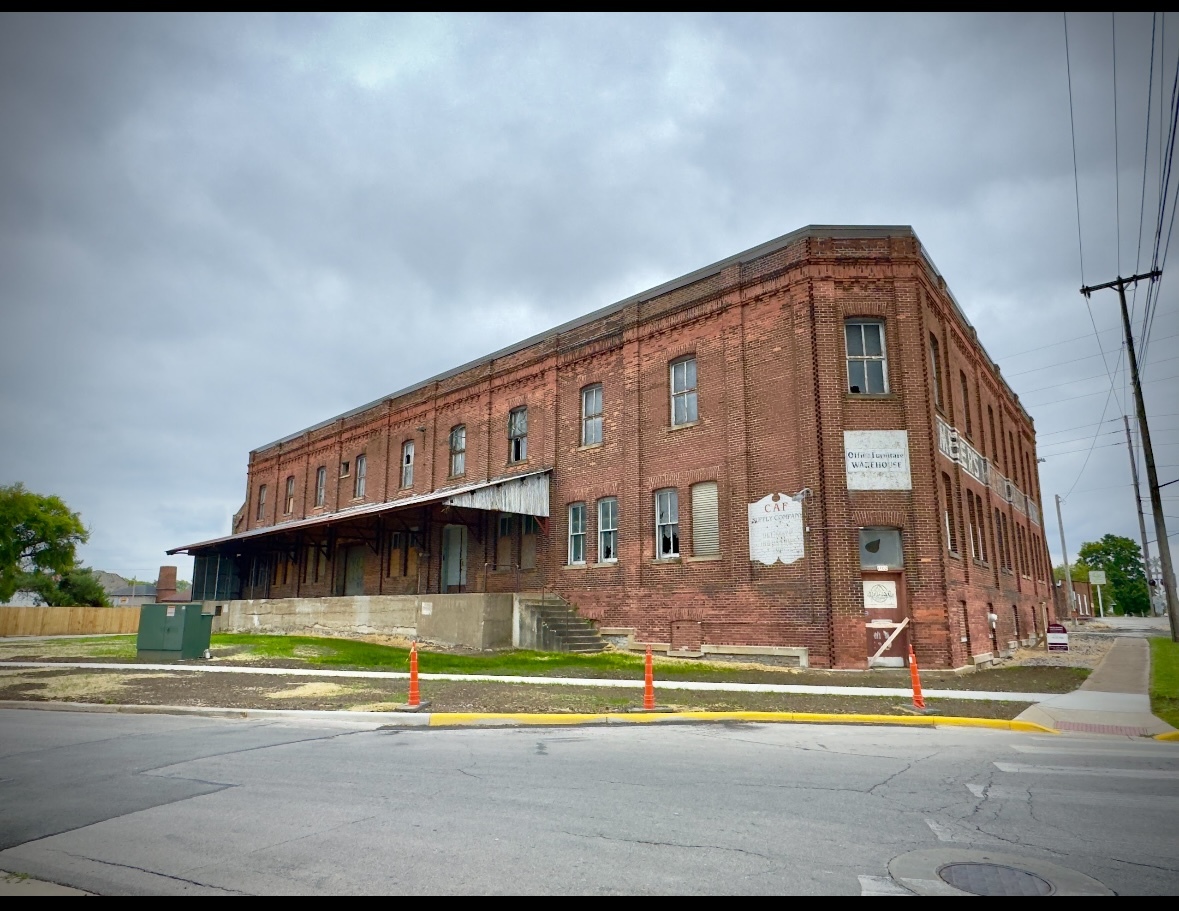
(480, 621)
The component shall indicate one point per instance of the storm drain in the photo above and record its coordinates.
(994, 880)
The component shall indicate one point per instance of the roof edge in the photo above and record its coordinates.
(762, 249)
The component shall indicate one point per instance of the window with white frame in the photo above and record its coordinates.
(290, 503)
(607, 530)
(361, 469)
(261, 501)
(407, 463)
(667, 523)
(705, 520)
(683, 391)
(576, 533)
(458, 451)
(591, 415)
(518, 435)
(320, 485)
(867, 364)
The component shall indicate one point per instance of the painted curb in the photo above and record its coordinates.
(520, 719)
(1169, 736)
(492, 719)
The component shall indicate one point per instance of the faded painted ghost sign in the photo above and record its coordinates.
(775, 530)
(877, 459)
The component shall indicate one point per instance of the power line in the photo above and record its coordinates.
(1073, 127)
(1052, 345)
(1113, 42)
(1082, 379)
(1091, 394)
(1145, 158)
(1053, 455)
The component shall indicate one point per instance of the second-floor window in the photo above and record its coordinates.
(966, 404)
(607, 530)
(935, 367)
(458, 451)
(683, 392)
(576, 533)
(518, 435)
(289, 506)
(867, 366)
(320, 485)
(261, 502)
(591, 415)
(407, 463)
(667, 523)
(358, 484)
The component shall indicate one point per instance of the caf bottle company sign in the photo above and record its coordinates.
(775, 529)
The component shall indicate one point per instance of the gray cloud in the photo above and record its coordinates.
(220, 229)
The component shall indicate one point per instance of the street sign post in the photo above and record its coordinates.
(1097, 579)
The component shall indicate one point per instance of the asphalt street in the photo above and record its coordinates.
(157, 804)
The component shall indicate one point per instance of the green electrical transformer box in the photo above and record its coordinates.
(169, 632)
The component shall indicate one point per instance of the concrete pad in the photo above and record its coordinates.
(1125, 669)
(1113, 700)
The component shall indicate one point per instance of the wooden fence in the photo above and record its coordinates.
(63, 621)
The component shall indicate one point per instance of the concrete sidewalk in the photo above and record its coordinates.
(1114, 700)
(698, 686)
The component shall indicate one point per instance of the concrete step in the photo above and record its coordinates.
(572, 632)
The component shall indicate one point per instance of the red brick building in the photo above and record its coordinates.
(798, 447)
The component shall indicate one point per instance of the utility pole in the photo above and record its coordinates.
(1068, 572)
(1138, 503)
(1152, 478)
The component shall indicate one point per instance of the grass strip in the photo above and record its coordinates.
(1164, 679)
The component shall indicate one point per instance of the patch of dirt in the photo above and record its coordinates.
(257, 691)
(316, 690)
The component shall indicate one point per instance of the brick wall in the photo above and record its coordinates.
(767, 336)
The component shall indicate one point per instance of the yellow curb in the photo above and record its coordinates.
(467, 719)
(1170, 735)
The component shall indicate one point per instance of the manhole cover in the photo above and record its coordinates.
(994, 879)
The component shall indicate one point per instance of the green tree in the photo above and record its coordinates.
(77, 587)
(1121, 558)
(38, 534)
(1080, 572)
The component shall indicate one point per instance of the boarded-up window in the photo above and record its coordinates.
(705, 522)
(503, 542)
(528, 543)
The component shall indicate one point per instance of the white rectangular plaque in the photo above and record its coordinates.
(877, 459)
(775, 530)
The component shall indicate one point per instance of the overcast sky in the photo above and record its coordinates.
(218, 230)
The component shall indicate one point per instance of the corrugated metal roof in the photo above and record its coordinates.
(528, 495)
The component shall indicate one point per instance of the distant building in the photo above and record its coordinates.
(801, 447)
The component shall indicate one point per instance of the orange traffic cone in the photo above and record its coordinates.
(915, 676)
(649, 683)
(415, 696)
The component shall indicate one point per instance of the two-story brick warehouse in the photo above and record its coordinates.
(801, 447)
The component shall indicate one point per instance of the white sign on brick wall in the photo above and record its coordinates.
(877, 459)
(775, 530)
